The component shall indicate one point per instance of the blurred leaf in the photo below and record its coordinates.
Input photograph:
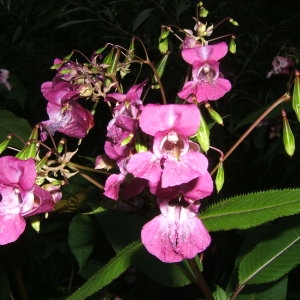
(251, 210)
(81, 238)
(141, 18)
(273, 257)
(4, 285)
(75, 22)
(10, 123)
(115, 267)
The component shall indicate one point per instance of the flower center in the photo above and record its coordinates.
(206, 73)
(172, 144)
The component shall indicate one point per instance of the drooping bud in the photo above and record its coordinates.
(233, 22)
(219, 181)
(288, 136)
(296, 95)
(202, 135)
(232, 45)
(214, 115)
(60, 146)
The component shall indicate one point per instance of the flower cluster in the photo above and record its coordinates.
(151, 146)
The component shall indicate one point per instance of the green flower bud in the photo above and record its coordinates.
(160, 68)
(163, 42)
(214, 115)
(219, 180)
(202, 135)
(232, 45)
(296, 95)
(233, 22)
(288, 136)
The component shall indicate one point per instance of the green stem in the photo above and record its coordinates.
(200, 280)
(282, 99)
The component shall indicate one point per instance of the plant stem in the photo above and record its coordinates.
(282, 99)
(237, 291)
(200, 280)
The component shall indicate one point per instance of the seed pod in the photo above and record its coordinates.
(203, 135)
(288, 136)
(296, 95)
(219, 181)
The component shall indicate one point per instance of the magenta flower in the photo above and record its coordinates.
(19, 197)
(174, 159)
(66, 115)
(207, 83)
(124, 124)
(176, 234)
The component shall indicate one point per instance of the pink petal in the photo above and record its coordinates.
(175, 236)
(184, 118)
(16, 171)
(11, 227)
(190, 166)
(112, 186)
(204, 53)
(145, 165)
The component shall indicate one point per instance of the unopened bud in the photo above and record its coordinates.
(296, 95)
(233, 22)
(163, 42)
(288, 136)
(232, 45)
(219, 181)
(202, 135)
(214, 115)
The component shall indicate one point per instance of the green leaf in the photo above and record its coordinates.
(250, 210)
(272, 291)
(81, 238)
(10, 123)
(274, 257)
(115, 267)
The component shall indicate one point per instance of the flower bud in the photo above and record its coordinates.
(296, 95)
(202, 135)
(163, 42)
(288, 136)
(214, 115)
(219, 181)
(160, 68)
(232, 45)
(233, 22)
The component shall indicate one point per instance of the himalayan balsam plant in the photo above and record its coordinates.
(155, 165)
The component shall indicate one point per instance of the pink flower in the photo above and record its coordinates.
(4, 75)
(207, 83)
(281, 65)
(19, 197)
(176, 234)
(174, 160)
(66, 115)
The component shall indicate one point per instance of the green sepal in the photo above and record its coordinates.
(127, 140)
(31, 147)
(5, 143)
